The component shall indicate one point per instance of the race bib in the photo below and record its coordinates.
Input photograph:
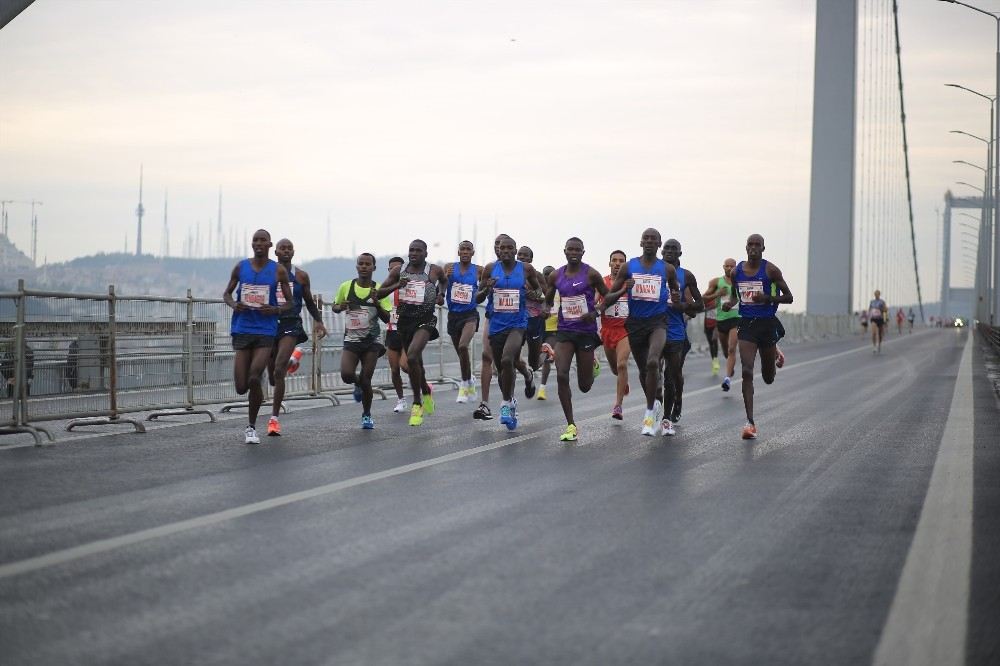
(875, 313)
(573, 307)
(647, 287)
(711, 314)
(412, 292)
(461, 293)
(280, 295)
(506, 300)
(748, 289)
(619, 310)
(393, 317)
(255, 295)
(358, 320)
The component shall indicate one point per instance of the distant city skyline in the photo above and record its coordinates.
(392, 120)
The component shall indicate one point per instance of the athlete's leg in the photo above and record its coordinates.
(748, 357)
(241, 369)
(508, 361)
(535, 351)
(651, 368)
(278, 370)
(415, 359)
(258, 364)
(585, 369)
(462, 349)
(348, 367)
(768, 358)
(486, 375)
(672, 383)
(731, 353)
(394, 371)
(368, 362)
(713, 343)
(621, 353)
(564, 358)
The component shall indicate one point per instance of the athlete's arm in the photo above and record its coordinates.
(391, 284)
(622, 283)
(550, 296)
(442, 282)
(713, 290)
(227, 295)
(784, 293)
(697, 303)
(532, 280)
(672, 284)
(380, 310)
(286, 290)
(485, 283)
(319, 330)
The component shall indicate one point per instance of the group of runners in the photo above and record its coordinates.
(877, 315)
(556, 316)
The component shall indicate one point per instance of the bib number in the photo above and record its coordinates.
(573, 307)
(461, 293)
(506, 300)
(255, 295)
(393, 317)
(748, 289)
(412, 293)
(875, 313)
(357, 320)
(647, 287)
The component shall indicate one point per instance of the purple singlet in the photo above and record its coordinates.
(576, 298)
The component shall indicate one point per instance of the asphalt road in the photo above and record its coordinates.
(459, 542)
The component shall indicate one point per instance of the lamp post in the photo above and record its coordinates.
(994, 249)
(962, 182)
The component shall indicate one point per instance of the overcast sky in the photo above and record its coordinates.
(557, 118)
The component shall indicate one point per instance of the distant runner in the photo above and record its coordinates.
(677, 346)
(720, 289)
(548, 350)
(877, 311)
(614, 337)
(463, 317)
(255, 320)
(394, 346)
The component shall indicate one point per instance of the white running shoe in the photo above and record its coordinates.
(251, 436)
(657, 416)
(400, 406)
(647, 426)
(463, 395)
(668, 428)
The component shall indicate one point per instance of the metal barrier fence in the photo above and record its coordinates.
(96, 359)
(990, 334)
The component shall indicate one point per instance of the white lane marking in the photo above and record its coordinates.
(929, 615)
(104, 545)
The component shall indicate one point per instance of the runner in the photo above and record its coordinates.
(362, 332)
(863, 318)
(899, 321)
(547, 354)
(711, 336)
(877, 311)
(463, 317)
(720, 290)
(576, 336)
(677, 346)
(394, 346)
(421, 286)
(255, 320)
(533, 335)
(646, 324)
(290, 330)
(759, 328)
(508, 283)
(910, 317)
(614, 337)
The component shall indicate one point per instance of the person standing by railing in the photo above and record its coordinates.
(255, 320)
(290, 328)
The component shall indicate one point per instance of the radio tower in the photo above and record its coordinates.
(139, 212)
(34, 232)
(165, 236)
(218, 231)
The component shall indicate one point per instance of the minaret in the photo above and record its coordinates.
(165, 236)
(139, 212)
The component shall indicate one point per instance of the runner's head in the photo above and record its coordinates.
(507, 250)
(617, 259)
(261, 243)
(366, 265)
(878, 294)
(395, 262)
(496, 244)
(728, 266)
(525, 254)
(672, 251)
(755, 247)
(547, 271)
(650, 242)
(417, 252)
(573, 250)
(284, 251)
(466, 250)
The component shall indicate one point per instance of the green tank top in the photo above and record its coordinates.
(726, 290)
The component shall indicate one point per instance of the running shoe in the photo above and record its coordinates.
(463, 395)
(569, 435)
(358, 393)
(273, 427)
(657, 415)
(416, 415)
(482, 412)
(471, 391)
(367, 422)
(529, 387)
(647, 425)
(668, 428)
(779, 362)
(541, 393)
(675, 415)
(400, 406)
(725, 384)
(251, 436)
(597, 368)
(512, 423)
(749, 431)
(428, 403)
(616, 413)
(505, 414)
(715, 367)
(549, 351)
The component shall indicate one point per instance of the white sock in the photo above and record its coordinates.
(542, 386)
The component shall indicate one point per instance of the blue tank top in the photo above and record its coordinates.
(462, 289)
(509, 311)
(676, 322)
(650, 293)
(296, 311)
(748, 285)
(256, 288)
